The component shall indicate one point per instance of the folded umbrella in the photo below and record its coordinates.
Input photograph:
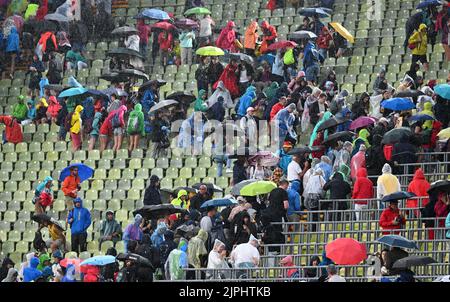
(236, 189)
(395, 135)
(182, 97)
(163, 104)
(209, 51)
(242, 57)
(99, 260)
(72, 92)
(440, 186)
(361, 122)
(281, 45)
(443, 90)
(124, 31)
(84, 172)
(164, 25)
(397, 196)
(258, 188)
(443, 134)
(210, 186)
(343, 31)
(330, 123)
(346, 251)
(414, 260)
(427, 3)
(303, 34)
(398, 241)
(155, 14)
(311, 11)
(398, 104)
(339, 136)
(218, 202)
(158, 211)
(197, 11)
(421, 117)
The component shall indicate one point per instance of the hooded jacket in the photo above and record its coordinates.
(310, 57)
(251, 35)
(20, 110)
(152, 194)
(158, 235)
(294, 198)
(139, 115)
(178, 202)
(419, 186)
(13, 129)
(387, 183)
(269, 35)
(200, 104)
(106, 128)
(133, 231)
(227, 37)
(96, 124)
(197, 249)
(13, 41)
(362, 138)
(81, 219)
(76, 120)
(223, 92)
(246, 100)
(339, 188)
(358, 161)
(31, 273)
(288, 262)
(53, 107)
(42, 10)
(420, 38)
(363, 188)
(387, 217)
(176, 261)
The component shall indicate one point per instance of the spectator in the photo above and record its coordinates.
(144, 32)
(392, 219)
(13, 48)
(177, 261)
(311, 59)
(43, 197)
(197, 252)
(323, 41)
(339, 189)
(165, 40)
(200, 104)
(333, 274)
(93, 135)
(152, 194)
(358, 161)
(201, 75)
(135, 127)
(441, 209)
(269, 35)
(186, 44)
(251, 37)
(205, 33)
(31, 273)
(208, 221)
(227, 37)
(182, 200)
(75, 129)
(114, 124)
(70, 187)
(361, 140)
(215, 70)
(35, 70)
(53, 109)
(20, 110)
(246, 254)
(133, 231)
(314, 192)
(387, 183)
(158, 235)
(229, 79)
(380, 83)
(199, 198)
(75, 60)
(110, 229)
(418, 43)
(419, 186)
(363, 189)
(79, 219)
(13, 131)
(216, 258)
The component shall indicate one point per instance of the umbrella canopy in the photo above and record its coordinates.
(97, 93)
(158, 83)
(121, 51)
(99, 260)
(72, 92)
(258, 188)
(74, 261)
(397, 195)
(163, 104)
(155, 14)
(55, 87)
(158, 211)
(440, 186)
(242, 57)
(125, 31)
(182, 97)
(443, 90)
(346, 251)
(209, 51)
(398, 241)
(304, 150)
(266, 159)
(197, 11)
(186, 23)
(112, 77)
(281, 45)
(443, 134)
(421, 117)
(117, 91)
(40, 218)
(303, 34)
(311, 11)
(409, 94)
(236, 190)
(133, 73)
(361, 122)
(339, 136)
(395, 135)
(218, 202)
(56, 17)
(413, 260)
(84, 172)
(330, 123)
(343, 31)
(210, 186)
(141, 261)
(398, 104)
(427, 3)
(164, 25)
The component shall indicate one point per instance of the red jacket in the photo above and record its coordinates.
(277, 107)
(42, 10)
(419, 186)
(363, 188)
(386, 219)
(165, 43)
(46, 199)
(13, 129)
(441, 210)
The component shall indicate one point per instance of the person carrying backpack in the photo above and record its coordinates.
(418, 44)
(114, 124)
(135, 127)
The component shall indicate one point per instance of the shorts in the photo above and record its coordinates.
(419, 58)
(134, 133)
(312, 72)
(118, 131)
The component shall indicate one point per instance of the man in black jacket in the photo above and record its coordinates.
(239, 173)
(152, 194)
(200, 198)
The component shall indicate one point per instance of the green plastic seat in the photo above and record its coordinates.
(180, 182)
(119, 163)
(91, 194)
(114, 174)
(162, 163)
(190, 162)
(135, 163)
(138, 184)
(172, 172)
(167, 183)
(119, 194)
(11, 157)
(114, 205)
(128, 174)
(200, 172)
(59, 205)
(108, 154)
(158, 172)
(134, 194)
(142, 173)
(14, 236)
(100, 173)
(28, 235)
(148, 163)
(124, 184)
(111, 184)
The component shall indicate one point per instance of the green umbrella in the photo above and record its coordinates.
(197, 11)
(209, 51)
(258, 188)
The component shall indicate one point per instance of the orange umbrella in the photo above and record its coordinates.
(343, 31)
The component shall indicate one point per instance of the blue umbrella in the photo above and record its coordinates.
(84, 172)
(155, 14)
(72, 92)
(310, 12)
(99, 260)
(398, 241)
(220, 202)
(398, 104)
(443, 90)
(421, 117)
(425, 4)
(397, 195)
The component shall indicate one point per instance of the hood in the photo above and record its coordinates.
(138, 108)
(287, 261)
(265, 25)
(137, 219)
(295, 185)
(253, 26)
(13, 30)
(230, 25)
(183, 245)
(221, 85)
(47, 179)
(52, 100)
(274, 85)
(363, 133)
(78, 199)
(338, 176)
(218, 244)
(44, 257)
(202, 235)
(34, 262)
(79, 108)
(362, 172)
(182, 193)
(29, 256)
(161, 228)
(154, 179)
(386, 169)
(201, 93)
(314, 258)
(419, 174)
(111, 251)
(428, 106)
(364, 95)
(146, 239)
(422, 27)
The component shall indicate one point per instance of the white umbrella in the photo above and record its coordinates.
(162, 104)
(303, 34)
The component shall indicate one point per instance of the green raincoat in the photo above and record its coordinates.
(200, 104)
(138, 116)
(178, 260)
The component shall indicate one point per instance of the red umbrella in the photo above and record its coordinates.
(281, 45)
(185, 22)
(362, 121)
(346, 251)
(75, 261)
(164, 25)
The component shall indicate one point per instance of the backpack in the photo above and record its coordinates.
(133, 123)
(59, 61)
(288, 57)
(68, 122)
(115, 121)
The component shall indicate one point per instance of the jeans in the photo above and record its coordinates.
(79, 242)
(221, 163)
(143, 49)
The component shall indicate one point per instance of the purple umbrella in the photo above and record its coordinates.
(185, 22)
(361, 122)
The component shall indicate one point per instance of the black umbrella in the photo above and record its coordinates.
(236, 189)
(395, 135)
(158, 211)
(304, 150)
(114, 77)
(397, 195)
(182, 97)
(339, 136)
(242, 57)
(135, 258)
(124, 31)
(97, 93)
(414, 260)
(55, 87)
(210, 186)
(440, 186)
(409, 94)
(133, 73)
(121, 51)
(41, 218)
(158, 83)
(332, 122)
(243, 152)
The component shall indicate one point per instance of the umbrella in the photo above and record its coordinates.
(210, 186)
(343, 31)
(339, 136)
(304, 150)
(72, 92)
(440, 186)
(74, 261)
(266, 159)
(164, 25)
(443, 90)
(185, 22)
(243, 151)
(209, 51)
(40, 218)
(409, 94)
(56, 17)
(133, 73)
(398, 104)
(121, 51)
(330, 123)
(397, 195)
(112, 77)
(54, 87)
(197, 11)
(442, 279)
(443, 134)
(124, 31)
(281, 45)
(346, 251)
(414, 260)
(140, 260)
(258, 188)
(311, 11)
(398, 241)
(155, 14)
(99, 260)
(421, 117)
(242, 57)
(84, 172)
(218, 202)
(395, 135)
(182, 97)
(112, 90)
(158, 83)
(303, 34)
(158, 211)
(236, 189)
(97, 93)
(163, 104)
(361, 122)
(425, 4)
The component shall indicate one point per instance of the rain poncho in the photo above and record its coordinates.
(31, 10)
(31, 273)
(136, 121)
(358, 161)
(42, 259)
(180, 203)
(76, 120)
(285, 122)
(188, 127)
(133, 231)
(387, 183)
(246, 100)
(197, 248)
(200, 104)
(271, 90)
(427, 109)
(177, 261)
(25, 264)
(40, 188)
(251, 35)
(315, 182)
(325, 166)
(215, 261)
(20, 111)
(88, 109)
(13, 41)
(53, 107)
(221, 91)
(419, 186)
(327, 115)
(361, 139)
(11, 275)
(227, 37)
(158, 235)
(343, 156)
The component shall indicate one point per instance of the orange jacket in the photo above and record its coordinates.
(251, 35)
(69, 184)
(43, 40)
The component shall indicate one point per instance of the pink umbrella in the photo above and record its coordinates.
(362, 121)
(267, 159)
(75, 261)
(185, 22)
(164, 25)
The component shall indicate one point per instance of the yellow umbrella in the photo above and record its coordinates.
(444, 133)
(343, 31)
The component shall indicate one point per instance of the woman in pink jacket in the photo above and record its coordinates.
(114, 124)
